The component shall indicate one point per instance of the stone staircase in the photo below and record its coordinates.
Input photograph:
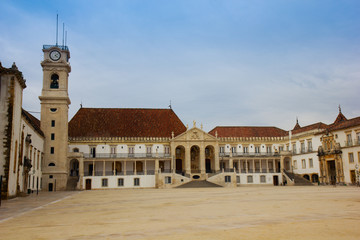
(297, 179)
(72, 183)
(198, 184)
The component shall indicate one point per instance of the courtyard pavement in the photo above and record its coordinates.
(314, 212)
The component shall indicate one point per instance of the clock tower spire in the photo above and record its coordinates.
(55, 103)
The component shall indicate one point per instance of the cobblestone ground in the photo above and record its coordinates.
(211, 213)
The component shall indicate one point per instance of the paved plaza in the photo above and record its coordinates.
(208, 213)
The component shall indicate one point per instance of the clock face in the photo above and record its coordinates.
(55, 55)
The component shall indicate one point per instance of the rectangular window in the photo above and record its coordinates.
(167, 150)
(257, 149)
(349, 140)
(295, 164)
(268, 149)
(136, 181)
(309, 146)
(52, 150)
(287, 148)
(131, 151)
(167, 180)
(53, 136)
(303, 163)
(120, 182)
(148, 150)
(302, 145)
(52, 123)
(113, 149)
(311, 163)
(294, 148)
(233, 149)
(351, 157)
(249, 179)
(237, 179)
(93, 152)
(358, 138)
(222, 149)
(281, 148)
(263, 179)
(227, 179)
(104, 182)
(246, 149)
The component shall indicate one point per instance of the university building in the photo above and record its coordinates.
(113, 148)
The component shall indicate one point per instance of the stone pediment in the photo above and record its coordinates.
(194, 134)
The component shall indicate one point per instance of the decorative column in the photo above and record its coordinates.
(187, 160)
(81, 171)
(156, 166)
(216, 158)
(202, 159)
(124, 168)
(145, 168)
(114, 172)
(246, 166)
(104, 168)
(134, 167)
(231, 162)
(93, 172)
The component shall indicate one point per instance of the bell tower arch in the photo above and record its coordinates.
(55, 103)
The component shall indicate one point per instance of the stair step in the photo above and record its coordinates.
(199, 184)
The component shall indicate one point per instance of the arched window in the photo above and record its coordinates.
(75, 150)
(51, 164)
(54, 81)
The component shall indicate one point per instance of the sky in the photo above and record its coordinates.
(220, 63)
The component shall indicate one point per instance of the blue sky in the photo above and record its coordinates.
(258, 63)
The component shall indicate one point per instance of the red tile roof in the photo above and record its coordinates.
(318, 126)
(338, 125)
(34, 122)
(248, 132)
(125, 122)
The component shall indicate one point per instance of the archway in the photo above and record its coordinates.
(314, 178)
(209, 159)
(306, 177)
(180, 159)
(195, 159)
(74, 168)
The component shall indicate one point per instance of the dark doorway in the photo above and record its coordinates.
(306, 177)
(179, 168)
(332, 172)
(353, 176)
(276, 180)
(74, 168)
(208, 165)
(51, 186)
(88, 184)
(91, 169)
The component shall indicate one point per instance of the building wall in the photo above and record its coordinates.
(14, 173)
(34, 152)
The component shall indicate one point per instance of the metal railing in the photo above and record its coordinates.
(249, 154)
(126, 155)
(62, 47)
(351, 143)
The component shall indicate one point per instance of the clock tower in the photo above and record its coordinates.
(54, 116)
